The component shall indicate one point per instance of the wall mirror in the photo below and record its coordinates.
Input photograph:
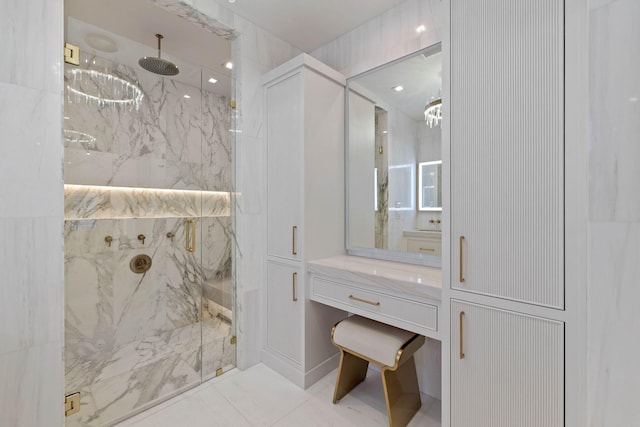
(394, 166)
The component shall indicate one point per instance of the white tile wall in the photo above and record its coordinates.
(614, 214)
(31, 209)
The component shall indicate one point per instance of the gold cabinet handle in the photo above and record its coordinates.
(190, 235)
(294, 243)
(428, 249)
(461, 275)
(461, 339)
(294, 285)
(363, 300)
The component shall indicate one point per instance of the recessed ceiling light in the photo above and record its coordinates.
(384, 131)
(232, 1)
(101, 43)
(212, 80)
(633, 99)
(228, 65)
(421, 29)
(398, 88)
(187, 96)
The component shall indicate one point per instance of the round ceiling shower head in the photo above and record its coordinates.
(158, 65)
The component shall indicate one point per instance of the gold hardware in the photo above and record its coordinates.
(461, 275)
(219, 372)
(380, 149)
(294, 234)
(234, 339)
(108, 239)
(170, 235)
(461, 338)
(141, 237)
(190, 235)
(140, 264)
(363, 300)
(294, 285)
(71, 54)
(428, 249)
(71, 404)
(232, 104)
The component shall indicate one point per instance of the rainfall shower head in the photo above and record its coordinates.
(158, 65)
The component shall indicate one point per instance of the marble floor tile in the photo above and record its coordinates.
(260, 397)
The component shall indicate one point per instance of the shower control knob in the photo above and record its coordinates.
(108, 239)
(141, 237)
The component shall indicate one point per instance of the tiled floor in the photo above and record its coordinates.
(261, 397)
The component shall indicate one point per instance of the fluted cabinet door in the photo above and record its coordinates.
(507, 370)
(284, 129)
(507, 149)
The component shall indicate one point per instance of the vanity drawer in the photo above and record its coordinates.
(404, 313)
(425, 246)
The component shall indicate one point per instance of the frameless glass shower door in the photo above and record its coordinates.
(148, 231)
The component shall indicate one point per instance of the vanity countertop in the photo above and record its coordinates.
(411, 279)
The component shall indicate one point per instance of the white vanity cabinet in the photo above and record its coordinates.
(507, 368)
(304, 133)
(507, 213)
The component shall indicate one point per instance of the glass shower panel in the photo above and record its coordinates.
(148, 265)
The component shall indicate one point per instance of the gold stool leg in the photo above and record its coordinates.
(351, 372)
(401, 393)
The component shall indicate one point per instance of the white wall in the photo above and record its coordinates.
(31, 213)
(614, 214)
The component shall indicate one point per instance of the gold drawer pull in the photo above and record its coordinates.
(461, 275)
(294, 243)
(428, 249)
(294, 285)
(363, 300)
(461, 348)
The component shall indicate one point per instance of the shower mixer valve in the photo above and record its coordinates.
(141, 237)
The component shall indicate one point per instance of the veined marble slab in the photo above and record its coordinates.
(416, 280)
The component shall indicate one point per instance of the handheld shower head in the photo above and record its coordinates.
(158, 65)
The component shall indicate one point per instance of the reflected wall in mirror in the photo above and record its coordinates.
(394, 196)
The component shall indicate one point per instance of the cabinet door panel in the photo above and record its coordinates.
(284, 315)
(512, 373)
(507, 149)
(284, 164)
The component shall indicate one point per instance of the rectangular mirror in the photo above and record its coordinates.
(394, 171)
(430, 186)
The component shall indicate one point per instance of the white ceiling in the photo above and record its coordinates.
(309, 24)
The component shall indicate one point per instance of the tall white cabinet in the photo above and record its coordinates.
(304, 128)
(507, 213)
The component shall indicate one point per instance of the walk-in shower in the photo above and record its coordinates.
(148, 170)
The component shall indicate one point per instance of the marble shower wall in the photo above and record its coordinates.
(614, 214)
(134, 339)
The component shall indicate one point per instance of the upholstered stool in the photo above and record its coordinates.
(361, 341)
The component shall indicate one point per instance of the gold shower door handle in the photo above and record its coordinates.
(190, 235)
(461, 275)
(294, 240)
(294, 284)
(461, 338)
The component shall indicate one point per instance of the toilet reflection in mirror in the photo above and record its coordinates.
(394, 193)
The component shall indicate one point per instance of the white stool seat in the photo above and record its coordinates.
(361, 341)
(374, 340)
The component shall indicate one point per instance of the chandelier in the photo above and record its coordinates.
(433, 112)
(102, 88)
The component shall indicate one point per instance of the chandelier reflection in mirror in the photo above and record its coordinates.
(433, 112)
(102, 88)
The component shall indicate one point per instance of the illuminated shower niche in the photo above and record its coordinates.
(146, 178)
